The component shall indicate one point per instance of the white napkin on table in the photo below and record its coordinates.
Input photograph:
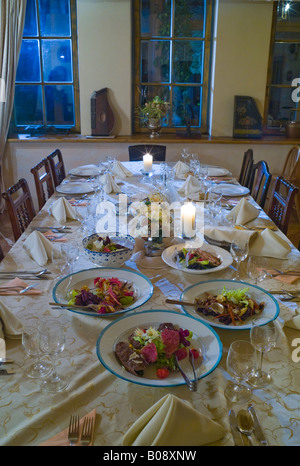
(40, 249)
(109, 184)
(269, 244)
(243, 212)
(10, 326)
(293, 322)
(180, 168)
(120, 171)
(173, 422)
(62, 210)
(190, 186)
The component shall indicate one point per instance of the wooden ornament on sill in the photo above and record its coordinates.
(102, 116)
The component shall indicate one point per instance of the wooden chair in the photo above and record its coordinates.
(260, 180)
(19, 207)
(282, 199)
(244, 178)
(43, 181)
(1, 254)
(291, 172)
(136, 152)
(57, 167)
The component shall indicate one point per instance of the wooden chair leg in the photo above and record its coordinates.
(297, 205)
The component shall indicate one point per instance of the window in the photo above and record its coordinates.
(171, 51)
(284, 68)
(46, 90)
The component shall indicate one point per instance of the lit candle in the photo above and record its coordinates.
(188, 215)
(148, 159)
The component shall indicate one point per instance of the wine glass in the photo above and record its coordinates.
(52, 343)
(30, 341)
(263, 338)
(255, 269)
(241, 361)
(239, 251)
(214, 202)
(185, 154)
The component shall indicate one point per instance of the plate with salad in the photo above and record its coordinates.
(140, 347)
(114, 291)
(243, 304)
(197, 258)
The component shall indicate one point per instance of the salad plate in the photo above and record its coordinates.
(143, 288)
(204, 338)
(74, 187)
(218, 171)
(85, 171)
(215, 287)
(169, 256)
(232, 189)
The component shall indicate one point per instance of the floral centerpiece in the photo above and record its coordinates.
(153, 113)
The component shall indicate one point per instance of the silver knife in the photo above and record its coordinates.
(258, 432)
(237, 436)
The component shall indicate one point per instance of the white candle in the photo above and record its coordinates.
(188, 215)
(148, 159)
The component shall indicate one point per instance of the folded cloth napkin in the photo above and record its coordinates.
(180, 168)
(61, 439)
(268, 243)
(10, 326)
(62, 210)
(173, 422)
(190, 186)
(243, 212)
(293, 323)
(119, 170)
(228, 234)
(57, 238)
(15, 283)
(109, 184)
(40, 249)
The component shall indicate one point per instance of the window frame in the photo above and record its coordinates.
(48, 129)
(136, 66)
(267, 130)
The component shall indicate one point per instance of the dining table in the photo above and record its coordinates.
(31, 416)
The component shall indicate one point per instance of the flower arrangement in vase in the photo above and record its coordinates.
(153, 113)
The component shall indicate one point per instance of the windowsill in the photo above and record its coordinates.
(164, 138)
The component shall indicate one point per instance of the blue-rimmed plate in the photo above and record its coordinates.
(215, 287)
(204, 338)
(143, 288)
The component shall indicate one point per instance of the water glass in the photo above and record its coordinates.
(255, 269)
(240, 362)
(30, 341)
(185, 154)
(263, 338)
(239, 251)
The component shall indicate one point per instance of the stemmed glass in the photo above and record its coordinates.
(185, 154)
(52, 343)
(214, 202)
(240, 364)
(30, 342)
(263, 338)
(239, 251)
(255, 269)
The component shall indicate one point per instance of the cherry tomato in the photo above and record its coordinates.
(162, 373)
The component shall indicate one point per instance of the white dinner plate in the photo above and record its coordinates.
(169, 257)
(74, 187)
(215, 287)
(232, 189)
(218, 171)
(141, 284)
(204, 338)
(85, 171)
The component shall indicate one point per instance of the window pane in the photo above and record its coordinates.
(156, 18)
(186, 103)
(187, 61)
(55, 18)
(30, 25)
(59, 105)
(281, 106)
(286, 63)
(288, 21)
(189, 18)
(155, 65)
(149, 92)
(57, 63)
(28, 105)
(29, 62)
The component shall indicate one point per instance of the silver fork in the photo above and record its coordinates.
(87, 431)
(73, 433)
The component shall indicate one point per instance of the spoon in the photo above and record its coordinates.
(216, 307)
(245, 424)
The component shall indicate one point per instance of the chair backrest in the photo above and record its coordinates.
(19, 207)
(43, 181)
(57, 167)
(1, 254)
(244, 178)
(137, 152)
(260, 180)
(282, 199)
(291, 168)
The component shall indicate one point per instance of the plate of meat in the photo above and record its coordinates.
(141, 348)
(197, 258)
